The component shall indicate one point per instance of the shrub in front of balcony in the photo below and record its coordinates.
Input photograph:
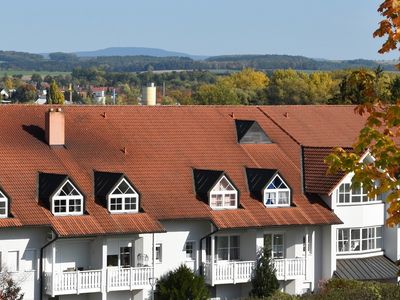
(264, 281)
(9, 288)
(181, 284)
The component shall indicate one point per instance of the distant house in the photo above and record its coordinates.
(99, 94)
(4, 94)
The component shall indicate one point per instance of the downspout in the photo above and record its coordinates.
(41, 264)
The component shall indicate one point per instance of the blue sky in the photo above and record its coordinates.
(338, 29)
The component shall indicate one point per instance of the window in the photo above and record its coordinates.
(274, 243)
(112, 260)
(227, 247)
(123, 198)
(3, 206)
(158, 251)
(125, 255)
(277, 193)
(359, 239)
(223, 195)
(356, 194)
(190, 250)
(68, 200)
(12, 261)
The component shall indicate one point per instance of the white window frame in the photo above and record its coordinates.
(4, 199)
(67, 198)
(224, 195)
(351, 194)
(277, 192)
(17, 262)
(160, 254)
(192, 257)
(359, 241)
(123, 197)
(229, 248)
(273, 246)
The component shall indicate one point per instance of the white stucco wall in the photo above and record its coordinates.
(21, 241)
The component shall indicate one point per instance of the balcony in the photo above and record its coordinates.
(228, 272)
(95, 281)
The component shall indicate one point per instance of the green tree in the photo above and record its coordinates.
(264, 281)
(25, 93)
(8, 82)
(217, 94)
(54, 95)
(380, 133)
(36, 78)
(182, 284)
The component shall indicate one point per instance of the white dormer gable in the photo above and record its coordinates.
(67, 200)
(277, 193)
(123, 198)
(3, 206)
(223, 195)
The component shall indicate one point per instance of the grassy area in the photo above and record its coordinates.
(29, 73)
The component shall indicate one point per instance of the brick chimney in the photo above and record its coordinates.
(55, 127)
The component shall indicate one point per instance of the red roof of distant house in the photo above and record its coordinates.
(98, 89)
(162, 146)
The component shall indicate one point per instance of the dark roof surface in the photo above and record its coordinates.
(204, 180)
(48, 185)
(157, 148)
(370, 268)
(250, 132)
(316, 178)
(103, 183)
(258, 179)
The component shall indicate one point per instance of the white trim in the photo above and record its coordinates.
(350, 193)
(67, 199)
(224, 194)
(360, 240)
(276, 191)
(4, 199)
(123, 198)
(194, 250)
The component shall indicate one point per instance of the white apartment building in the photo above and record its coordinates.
(100, 202)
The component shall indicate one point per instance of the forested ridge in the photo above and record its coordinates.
(66, 62)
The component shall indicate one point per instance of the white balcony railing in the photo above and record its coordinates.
(224, 272)
(93, 281)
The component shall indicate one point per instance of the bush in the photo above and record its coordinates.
(182, 284)
(264, 279)
(9, 289)
(338, 289)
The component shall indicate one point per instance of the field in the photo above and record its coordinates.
(29, 73)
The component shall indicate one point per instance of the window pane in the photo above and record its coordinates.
(235, 241)
(125, 256)
(189, 249)
(283, 198)
(270, 198)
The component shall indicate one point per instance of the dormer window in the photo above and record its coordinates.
(60, 195)
(116, 192)
(223, 195)
(277, 193)
(123, 198)
(3, 206)
(216, 189)
(67, 200)
(267, 186)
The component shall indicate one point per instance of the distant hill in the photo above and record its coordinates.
(130, 60)
(136, 51)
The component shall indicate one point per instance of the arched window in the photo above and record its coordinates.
(67, 200)
(3, 206)
(123, 198)
(223, 195)
(277, 193)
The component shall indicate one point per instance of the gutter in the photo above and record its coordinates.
(41, 264)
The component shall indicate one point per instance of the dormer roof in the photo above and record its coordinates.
(258, 179)
(204, 181)
(49, 184)
(250, 132)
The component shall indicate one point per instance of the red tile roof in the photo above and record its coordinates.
(316, 178)
(162, 146)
